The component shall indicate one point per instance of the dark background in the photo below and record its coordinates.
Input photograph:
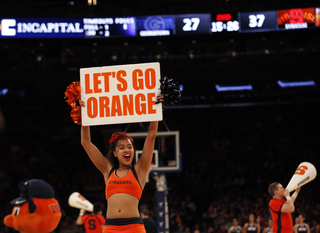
(233, 144)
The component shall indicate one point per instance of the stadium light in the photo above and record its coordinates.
(247, 87)
(285, 84)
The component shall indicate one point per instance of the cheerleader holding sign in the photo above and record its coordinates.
(124, 177)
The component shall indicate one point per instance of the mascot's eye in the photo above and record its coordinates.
(16, 210)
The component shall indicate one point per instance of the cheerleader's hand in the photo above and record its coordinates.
(160, 98)
(82, 103)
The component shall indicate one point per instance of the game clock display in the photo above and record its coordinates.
(258, 21)
(225, 23)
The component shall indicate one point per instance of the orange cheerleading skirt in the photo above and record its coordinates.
(124, 225)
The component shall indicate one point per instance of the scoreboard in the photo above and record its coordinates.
(288, 19)
(259, 21)
(227, 22)
(108, 27)
(193, 24)
(296, 18)
(161, 25)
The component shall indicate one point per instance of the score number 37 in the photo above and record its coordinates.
(256, 20)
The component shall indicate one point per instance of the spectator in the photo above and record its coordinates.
(268, 229)
(93, 222)
(235, 228)
(251, 226)
(149, 224)
(301, 226)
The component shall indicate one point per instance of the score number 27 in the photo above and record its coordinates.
(190, 24)
(256, 20)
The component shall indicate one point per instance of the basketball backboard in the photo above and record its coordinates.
(166, 154)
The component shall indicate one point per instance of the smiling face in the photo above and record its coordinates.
(124, 151)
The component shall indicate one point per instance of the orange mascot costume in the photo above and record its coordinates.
(36, 210)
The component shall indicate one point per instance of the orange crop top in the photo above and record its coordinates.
(127, 184)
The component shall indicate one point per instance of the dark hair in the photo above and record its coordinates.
(97, 207)
(272, 188)
(114, 160)
(145, 211)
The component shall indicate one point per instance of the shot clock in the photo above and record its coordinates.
(258, 21)
(225, 23)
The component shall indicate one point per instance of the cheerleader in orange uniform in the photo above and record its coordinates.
(124, 178)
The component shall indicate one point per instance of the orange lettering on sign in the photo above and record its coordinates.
(106, 76)
(120, 75)
(127, 105)
(150, 77)
(151, 103)
(140, 107)
(87, 88)
(104, 106)
(92, 107)
(140, 80)
(136, 81)
(121, 105)
(116, 106)
(96, 83)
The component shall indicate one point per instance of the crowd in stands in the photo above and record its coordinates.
(202, 51)
(230, 155)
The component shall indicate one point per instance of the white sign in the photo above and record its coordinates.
(120, 94)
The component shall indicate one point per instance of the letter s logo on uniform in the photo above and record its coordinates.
(6, 25)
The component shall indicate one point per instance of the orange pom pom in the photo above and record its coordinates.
(73, 94)
(76, 114)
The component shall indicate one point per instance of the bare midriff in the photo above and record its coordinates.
(122, 205)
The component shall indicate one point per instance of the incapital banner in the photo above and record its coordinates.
(120, 94)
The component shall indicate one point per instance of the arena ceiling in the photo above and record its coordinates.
(57, 8)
